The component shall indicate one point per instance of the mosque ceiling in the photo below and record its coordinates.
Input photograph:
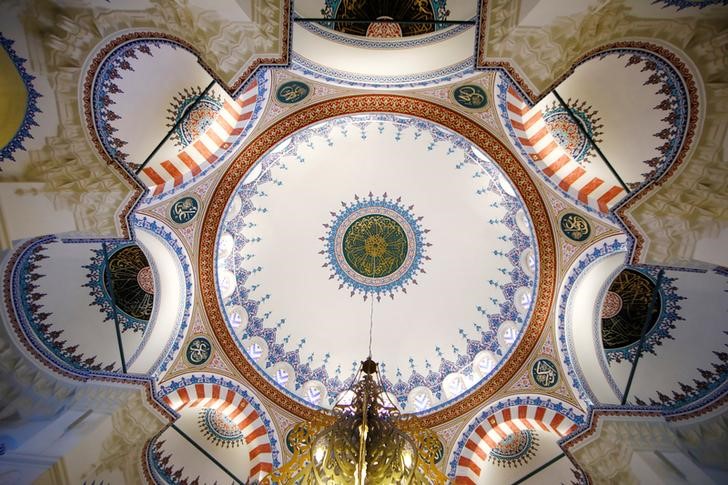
(281, 196)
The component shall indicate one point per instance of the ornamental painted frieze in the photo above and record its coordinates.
(375, 246)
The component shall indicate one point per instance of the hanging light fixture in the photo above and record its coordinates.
(364, 439)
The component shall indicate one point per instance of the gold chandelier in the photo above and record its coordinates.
(364, 441)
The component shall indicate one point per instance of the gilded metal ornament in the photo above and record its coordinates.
(362, 441)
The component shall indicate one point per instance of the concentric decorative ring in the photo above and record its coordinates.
(146, 280)
(371, 231)
(219, 429)
(401, 105)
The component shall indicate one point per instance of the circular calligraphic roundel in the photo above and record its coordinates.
(198, 351)
(575, 227)
(545, 373)
(470, 96)
(183, 210)
(324, 221)
(132, 282)
(374, 245)
(292, 92)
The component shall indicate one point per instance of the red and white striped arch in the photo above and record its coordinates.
(164, 174)
(554, 161)
(232, 405)
(499, 425)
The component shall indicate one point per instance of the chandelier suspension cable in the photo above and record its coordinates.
(371, 326)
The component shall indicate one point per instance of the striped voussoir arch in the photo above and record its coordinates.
(532, 132)
(499, 425)
(239, 411)
(230, 122)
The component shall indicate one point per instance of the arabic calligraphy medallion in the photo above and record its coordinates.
(575, 227)
(184, 210)
(292, 92)
(545, 373)
(470, 96)
(375, 245)
(198, 351)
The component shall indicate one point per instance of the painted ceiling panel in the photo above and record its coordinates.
(303, 228)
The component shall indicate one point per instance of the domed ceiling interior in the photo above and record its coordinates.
(210, 215)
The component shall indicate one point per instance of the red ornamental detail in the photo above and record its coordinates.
(384, 30)
(146, 280)
(612, 305)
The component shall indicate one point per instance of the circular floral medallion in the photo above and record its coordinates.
(198, 351)
(292, 92)
(145, 279)
(612, 304)
(515, 449)
(575, 227)
(374, 246)
(568, 134)
(384, 30)
(545, 373)
(196, 115)
(184, 210)
(219, 429)
(470, 96)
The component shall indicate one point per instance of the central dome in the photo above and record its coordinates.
(377, 214)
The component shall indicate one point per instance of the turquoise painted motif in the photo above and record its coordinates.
(470, 96)
(545, 373)
(184, 210)
(570, 135)
(292, 92)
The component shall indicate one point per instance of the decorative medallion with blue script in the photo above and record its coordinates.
(470, 96)
(198, 351)
(575, 227)
(375, 246)
(292, 92)
(545, 373)
(184, 210)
